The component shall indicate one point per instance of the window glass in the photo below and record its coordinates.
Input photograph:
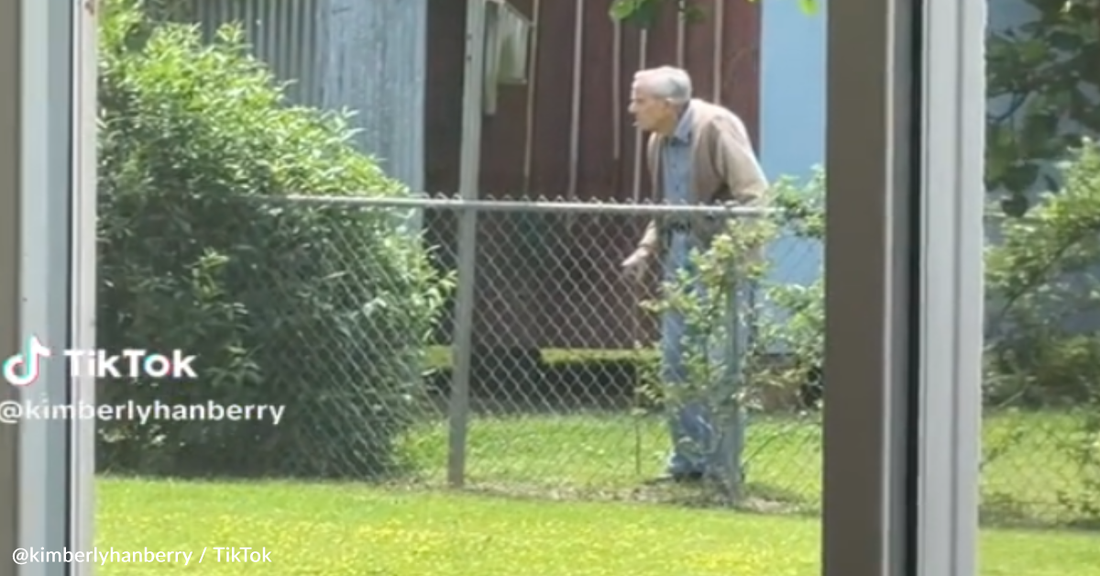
(439, 336)
(1040, 468)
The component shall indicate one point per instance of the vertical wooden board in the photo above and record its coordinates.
(631, 60)
(555, 68)
(662, 38)
(699, 48)
(443, 97)
(595, 163)
(740, 69)
(504, 135)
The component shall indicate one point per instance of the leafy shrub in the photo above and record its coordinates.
(1043, 348)
(1040, 274)
(794, 324)
(1041, 280)
(709, 293)
(322, 308)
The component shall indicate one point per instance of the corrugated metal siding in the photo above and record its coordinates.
(365, 56)
(282, 33)
(374, 62)
(559, 287)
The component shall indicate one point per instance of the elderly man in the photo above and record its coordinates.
(698, 153)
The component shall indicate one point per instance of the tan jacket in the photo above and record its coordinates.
(724, 170)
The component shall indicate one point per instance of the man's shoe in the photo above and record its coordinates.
(678, 478)
(688, 477)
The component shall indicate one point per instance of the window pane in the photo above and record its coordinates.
(1041, 452)
(358, 349)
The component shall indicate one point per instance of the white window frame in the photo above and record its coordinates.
(45, 84)
(904, 332)
(50, 205)
(83, 266)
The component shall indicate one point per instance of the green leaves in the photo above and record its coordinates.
(197, 252)
(640, 13)
(645, 13)
(1039, 277)
(809, 7)
(789, 318)
(1040, 78)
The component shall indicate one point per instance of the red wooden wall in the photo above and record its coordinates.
(553, 281)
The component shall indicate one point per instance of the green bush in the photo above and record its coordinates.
(1040, 278)
(794, 324)
(322, 308)
(1041, 286)
(1042, 347)
(1042, 344)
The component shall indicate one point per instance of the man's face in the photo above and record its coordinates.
(649, 113)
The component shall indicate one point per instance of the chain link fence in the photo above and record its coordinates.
(510, 360)
(554, 401)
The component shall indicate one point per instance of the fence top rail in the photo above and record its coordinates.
(545, 206)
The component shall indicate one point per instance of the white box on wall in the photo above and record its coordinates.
(507, 37)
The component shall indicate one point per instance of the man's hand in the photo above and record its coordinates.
(637, 264)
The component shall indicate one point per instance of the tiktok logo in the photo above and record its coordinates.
(23, 369)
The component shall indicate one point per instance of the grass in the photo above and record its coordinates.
(1027, 479)
(355, 530)
(1029, 476)
(583, 461)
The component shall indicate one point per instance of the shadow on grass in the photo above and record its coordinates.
(606, 455)
(760, 499)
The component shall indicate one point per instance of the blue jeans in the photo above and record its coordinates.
(707, 424)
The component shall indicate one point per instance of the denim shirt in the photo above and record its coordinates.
(676, 176)
(676, 162)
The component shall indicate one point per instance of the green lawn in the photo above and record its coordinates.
(1028, 479)
(541, 504)
(355, 530)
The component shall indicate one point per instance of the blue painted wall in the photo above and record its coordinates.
(792, 86)
(792, 118)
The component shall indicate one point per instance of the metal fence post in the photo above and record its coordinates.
(462, 348)
(462, 342)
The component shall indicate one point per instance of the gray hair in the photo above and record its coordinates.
(666, 82)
